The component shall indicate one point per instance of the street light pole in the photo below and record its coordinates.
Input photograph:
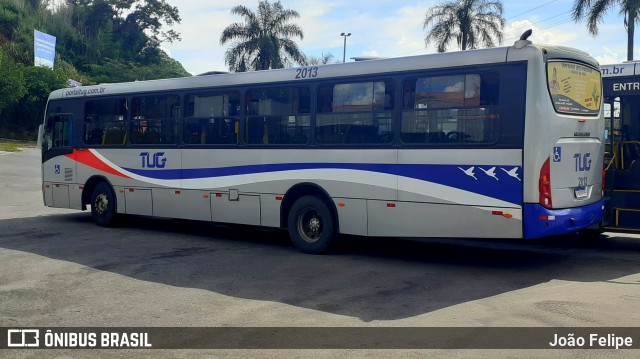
(344, 48)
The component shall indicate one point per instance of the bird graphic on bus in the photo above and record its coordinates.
(491, 172)
(513, 173)
(469, 172)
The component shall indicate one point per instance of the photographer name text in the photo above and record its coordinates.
(593, 340)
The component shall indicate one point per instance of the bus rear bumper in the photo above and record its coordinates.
(541, 222)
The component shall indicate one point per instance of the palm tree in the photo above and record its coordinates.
(471, 22)
(263, 41)
(594, 11)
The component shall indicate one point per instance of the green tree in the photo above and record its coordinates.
(12, 87)
(152, 16)
(322, 60)
(65, 70)
(595, 10)
(144, 27)
(263, 41)
(10, 17)
(112, 70)
(132, 30)
(471, 23)
(39, 83)
(166, 68)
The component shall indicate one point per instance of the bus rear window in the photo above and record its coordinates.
(574, 88)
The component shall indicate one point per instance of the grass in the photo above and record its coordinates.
(13, 145)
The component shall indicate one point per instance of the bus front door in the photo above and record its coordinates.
(622, 163)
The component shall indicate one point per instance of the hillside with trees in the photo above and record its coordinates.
(97, 41)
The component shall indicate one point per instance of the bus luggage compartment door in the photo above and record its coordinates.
(60, 195)
(243, 209)
(138, 201)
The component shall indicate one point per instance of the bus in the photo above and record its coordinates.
(492, 143)
(621, 89)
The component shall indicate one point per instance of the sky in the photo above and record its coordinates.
(385, 28)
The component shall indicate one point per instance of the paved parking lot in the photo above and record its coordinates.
(59, 270)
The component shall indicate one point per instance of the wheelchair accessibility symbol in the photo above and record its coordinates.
(557, 154)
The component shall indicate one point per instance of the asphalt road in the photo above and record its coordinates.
(57, 269)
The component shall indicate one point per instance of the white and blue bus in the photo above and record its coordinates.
(493, 143)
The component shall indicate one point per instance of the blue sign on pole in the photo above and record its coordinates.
(44, 49)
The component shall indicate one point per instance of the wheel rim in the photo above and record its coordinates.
(310, 225)
(101, 204)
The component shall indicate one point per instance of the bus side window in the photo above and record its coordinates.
(58, 132)
(105, 121)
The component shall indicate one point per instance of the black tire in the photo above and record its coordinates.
(103, 205)
(591, 235)
(311, 225)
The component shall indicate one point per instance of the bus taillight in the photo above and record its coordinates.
(544, 185)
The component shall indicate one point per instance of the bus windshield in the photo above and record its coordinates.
(575, 89)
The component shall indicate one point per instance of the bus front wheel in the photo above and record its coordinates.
(103, 205)
(311, 225)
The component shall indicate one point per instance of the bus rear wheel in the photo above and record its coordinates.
(311, 225)
(103, 205)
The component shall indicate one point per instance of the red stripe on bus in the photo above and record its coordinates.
(86, 157)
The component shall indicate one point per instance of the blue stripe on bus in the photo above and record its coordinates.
(497, 183)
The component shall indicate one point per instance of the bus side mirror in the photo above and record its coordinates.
(40, 134)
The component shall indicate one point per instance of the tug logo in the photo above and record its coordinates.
(157, 160)
(583, 162)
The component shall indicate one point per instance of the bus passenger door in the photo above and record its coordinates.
(622, 162)
(58, 165)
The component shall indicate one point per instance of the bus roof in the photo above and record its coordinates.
(378, 66)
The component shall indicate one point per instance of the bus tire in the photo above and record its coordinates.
(311, 225)
(591, 235)
(103, 205)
